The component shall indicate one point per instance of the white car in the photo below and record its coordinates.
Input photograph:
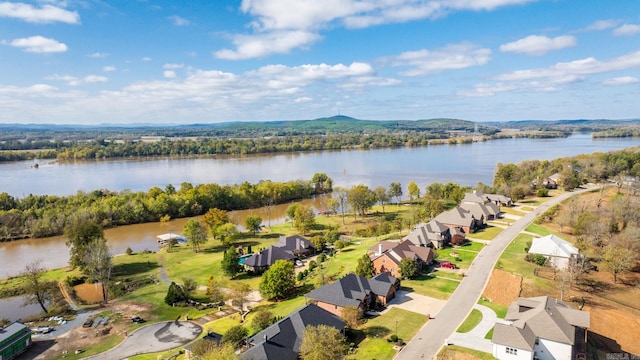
(299, 263)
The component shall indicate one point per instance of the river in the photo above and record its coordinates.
(466, 164)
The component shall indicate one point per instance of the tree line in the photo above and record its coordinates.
(37, 216)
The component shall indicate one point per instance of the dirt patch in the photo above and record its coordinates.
(623, 326)
(503, 288)
(450, 354)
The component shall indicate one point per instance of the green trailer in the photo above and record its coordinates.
(14, 340)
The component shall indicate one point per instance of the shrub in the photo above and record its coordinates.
(306, 272)
(331, 236)
(536, 259)
(75, 280)
(128, 251)
(300, 276)
(321, 258)
(339, 244)
(542, 192)
(312, 265)
(393, 338)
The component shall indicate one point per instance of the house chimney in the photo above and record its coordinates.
(379, 249)
(265, 337)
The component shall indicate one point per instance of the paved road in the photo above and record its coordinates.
(428, 341)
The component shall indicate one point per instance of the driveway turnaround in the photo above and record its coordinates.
(428, 341)
(417, 303)
(474, 339)
(153, 338)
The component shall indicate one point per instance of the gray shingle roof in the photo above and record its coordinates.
(294, 243)
(456, 216)
(424, 234)
(283, 339)
(351, 290)
(268, 257)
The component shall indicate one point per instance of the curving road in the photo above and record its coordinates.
(428, 341)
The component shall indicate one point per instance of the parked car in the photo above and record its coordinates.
(137, 319)
(299, 263)
(88, 323)
(448, 265)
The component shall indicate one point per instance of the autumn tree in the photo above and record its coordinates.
(238, 294)
(414, 190)
(304, 219)
(381, 196)
(211, 350)
(618, 259)
(98, 263)
(279, 281)
(340, 195)
(80, 234)
(214, 218)
(408, 268)
(322, 342)
(365, 267)
(262, 320)
(195, 233)
(38, 291)
(214, 290)
(351, 315)
(227, 233)
(253, 223)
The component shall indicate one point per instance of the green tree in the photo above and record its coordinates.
(360, 198)
(195, 234)
(365, 267)
(318, 243)
(235, 335)
(262, 320)
(414, 190)
(279, 281)
(98, 263)
(291, 212)
(381, 195)
(253, 223)
(352, 316)
(333, 205)
(189, 285)
(341, 197)
(227, 233)
(238, 294)
(322, 342)
(80, 234)
(395, 191)
(214, 290)
(38, 291)
(321, 183)
(229, 264)
(408, 268)
(175, 294)
(304, 219)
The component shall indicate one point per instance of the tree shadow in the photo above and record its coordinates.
(377, 331)
(595, 286)
(133, 268)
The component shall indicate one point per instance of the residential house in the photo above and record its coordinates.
(211, 336)
(433, 234)
(479, 212)
(15, 339)
(559, 252)
(386, 256)
(282, 340)
(499, 200)
(261, 261)
(489, 203)
(459, 218)
(540, 328)
(296, 244)
(357, 291)
(287, 248)
(551, 182)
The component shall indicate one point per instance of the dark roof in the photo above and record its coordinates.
(424, 234)
(456, 216)
(382, 247)
(351, 290)
(282, 340)
(294, 243)
(11, 330)
(268, 257)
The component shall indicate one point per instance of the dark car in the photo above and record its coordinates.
(137, 319)
(88, 323)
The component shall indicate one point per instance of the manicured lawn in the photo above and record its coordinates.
(466, 254)
(488, 233)
(512, 211)
(489, 334)
(446, 274)
(538, 229)
(526, 208)
(378, 329)
(431, 286)
(512, 260)
(471, 321)
(450, 351)
(500, 310)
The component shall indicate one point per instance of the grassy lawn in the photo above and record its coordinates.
(446, 274)
(471, 321)
(428, 285)
(512, 260)
(450, 353)
(466, 254)
(500, 310)
(489, 335)
(512, 211)
(378, 329)
(488, 233)
(526, 208)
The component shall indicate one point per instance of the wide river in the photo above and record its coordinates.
(466, 164)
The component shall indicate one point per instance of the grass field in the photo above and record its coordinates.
(471, 321)
(488, 233)
(428, 285)
(451, 351)
(512, 211)
(466, 254)
(378, 329)
(512, 260)
(500, 310)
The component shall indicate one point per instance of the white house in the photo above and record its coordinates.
(540, 328)
(559, 252)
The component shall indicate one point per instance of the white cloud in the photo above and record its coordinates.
(451, 57)
(602, 25)
(278, 42)
(75, 81)
(108, 68)
(38, 44)
(627, 30)
(146, 59)
(172, 66)
(98, 55)
(298, 22)
(179, 21)
(169, 74)
(44, 14)
(623, 80)
(536, 45)
(575, 68)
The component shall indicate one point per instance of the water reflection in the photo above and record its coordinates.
(13, 309)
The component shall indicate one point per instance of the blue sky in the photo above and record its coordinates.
(169, 62)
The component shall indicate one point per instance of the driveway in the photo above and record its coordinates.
(431, 337)
(153, 338)
(474, 339)
(417, 303)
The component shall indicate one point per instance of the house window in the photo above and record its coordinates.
(511, 351)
